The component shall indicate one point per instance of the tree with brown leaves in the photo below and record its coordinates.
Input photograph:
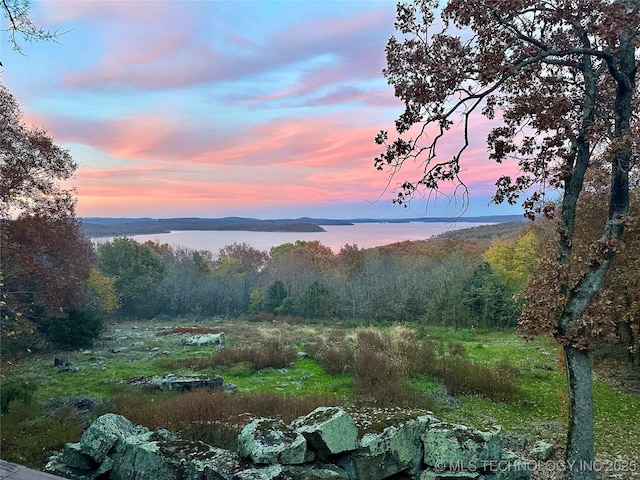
(45, 260)
(558, 80)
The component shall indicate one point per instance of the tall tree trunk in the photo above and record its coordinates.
(580, 452)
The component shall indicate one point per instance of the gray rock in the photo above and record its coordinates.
(61, 362)
(397, 449)
(180, 383)
(265, 473)
(308, 472)
(458, 447)
(510, 467)
(105, 467)
(56, 466)
(448, 475)
(204, 339)
(270, 441)
(221, 465)
(138, 457)
(268, 449)
(160, 456)
(103, 434)
(541, 450)
(328, 431)
(72, 456)
(291, 472)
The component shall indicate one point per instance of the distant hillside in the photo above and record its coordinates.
(111, 227)
(505, 230)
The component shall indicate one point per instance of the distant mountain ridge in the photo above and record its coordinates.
(111, 226)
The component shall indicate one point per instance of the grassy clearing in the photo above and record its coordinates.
(304, 377)
(544, 412)
(344, 366)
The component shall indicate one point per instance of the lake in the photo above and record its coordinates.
(365, 235)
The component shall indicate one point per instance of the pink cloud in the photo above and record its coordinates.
(331, 156)
(104, 11)
(318, 142)
(146, 48)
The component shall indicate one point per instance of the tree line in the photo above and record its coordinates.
(446, 282)
(457, 282)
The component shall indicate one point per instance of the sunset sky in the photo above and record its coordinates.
(220, 108)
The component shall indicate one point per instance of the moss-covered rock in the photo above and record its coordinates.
(103, 435)
(328, 431)
(458, 447)
(73, 457)
(292, 472)
(396, 449)
(421, 448)
(270, 441)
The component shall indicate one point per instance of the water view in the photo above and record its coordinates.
(365, 235)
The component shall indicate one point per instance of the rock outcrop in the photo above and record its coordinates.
(204, 339)
(323, 445)
(183, 383)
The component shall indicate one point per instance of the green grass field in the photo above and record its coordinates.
(31, 429)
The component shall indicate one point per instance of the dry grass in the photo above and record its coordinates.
(333, 351)
(269, 354)
(213, 417)
(381, 370)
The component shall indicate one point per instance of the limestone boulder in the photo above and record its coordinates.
(328, 431)
(204, 339)
(270, 441)
(458, 447)
(396, 449)
(510, 467)
(180, 383)
(292, 472)
(158, 456)
(104, 434)
(541, 450)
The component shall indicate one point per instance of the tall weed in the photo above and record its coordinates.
(462, 377)
(380, 372)
(335, 354)
(269, 354)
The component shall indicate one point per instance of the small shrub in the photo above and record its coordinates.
(335, 357)
(140, 406)
(380, 373)
(12, 391)
(420, 358)
(270, 354)
(292, 319)
(456, 348)
(262, 317)
(79, 329)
